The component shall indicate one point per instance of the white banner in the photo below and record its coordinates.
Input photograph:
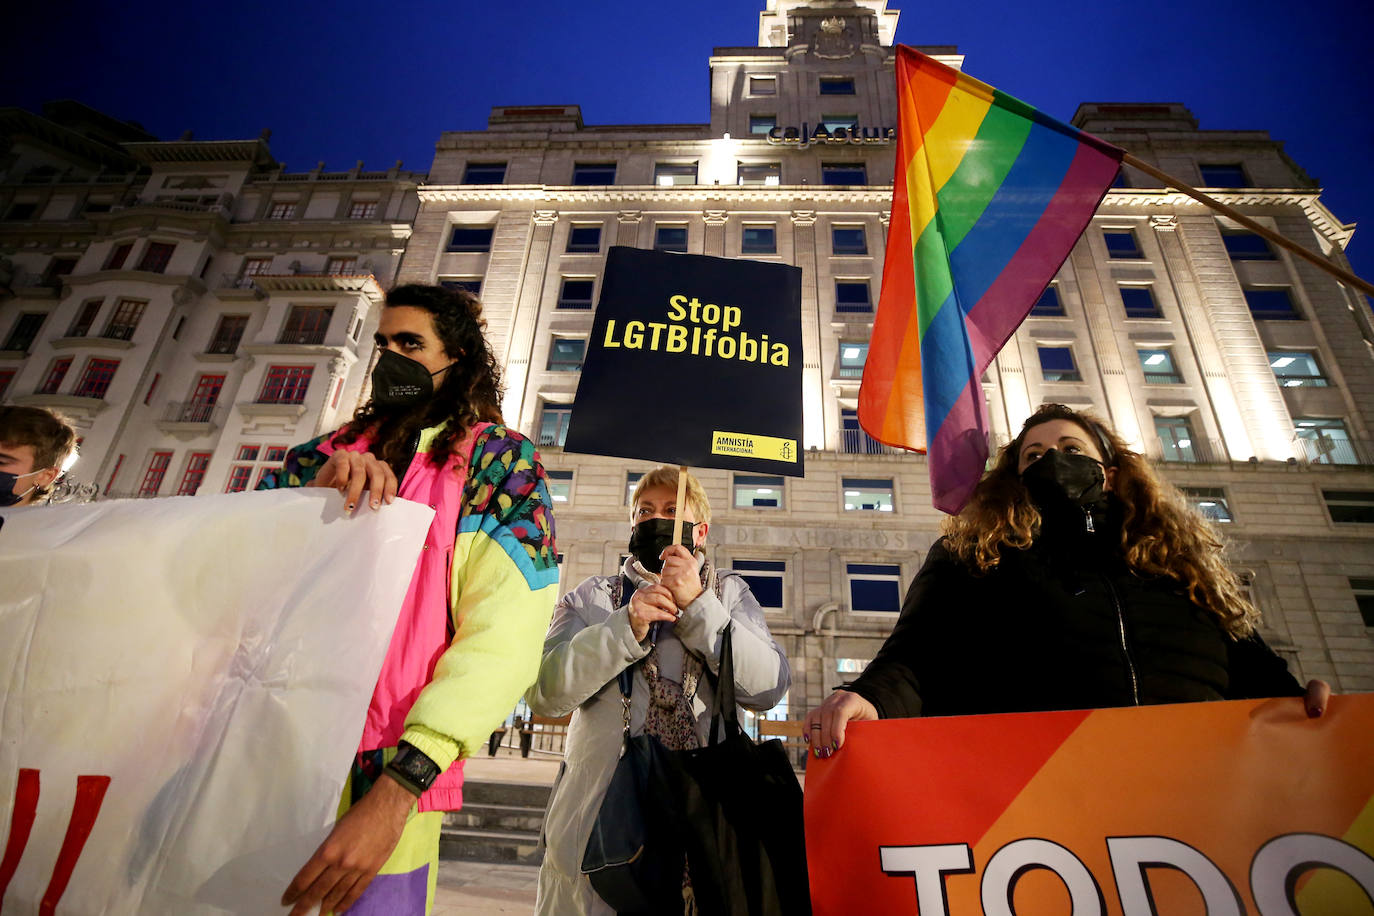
(186, 680)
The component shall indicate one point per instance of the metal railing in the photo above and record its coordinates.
(1321, 449)
(1189, 451)
(858, 442)
(193, 412)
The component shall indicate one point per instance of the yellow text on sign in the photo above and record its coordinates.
(747, 445)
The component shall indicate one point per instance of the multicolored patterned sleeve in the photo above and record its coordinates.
(302, 464)
(505, 581)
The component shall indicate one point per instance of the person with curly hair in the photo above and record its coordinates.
(467, 641)
(1075, 578)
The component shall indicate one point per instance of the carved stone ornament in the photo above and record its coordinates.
(545, 217)
(835, 39)
(804, 217)
(1164, 222)
(629, 216)
(337, 367)
(715, 217)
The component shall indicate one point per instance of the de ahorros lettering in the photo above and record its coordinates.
(1274, 872)
(701, 329)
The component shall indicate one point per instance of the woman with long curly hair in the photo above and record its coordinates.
(1075, 578)
(468, 637)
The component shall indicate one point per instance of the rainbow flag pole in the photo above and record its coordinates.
(989, 197)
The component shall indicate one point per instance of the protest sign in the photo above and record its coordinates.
(694, 361)
(183, 684)
(1219, 808)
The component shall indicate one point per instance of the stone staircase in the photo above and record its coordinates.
(499, 822)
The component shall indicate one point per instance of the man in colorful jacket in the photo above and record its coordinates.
(467, 642)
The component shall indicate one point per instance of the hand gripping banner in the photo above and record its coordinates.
(182, 687)
(1242, 807)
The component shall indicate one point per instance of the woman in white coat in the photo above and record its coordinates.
(670, 629)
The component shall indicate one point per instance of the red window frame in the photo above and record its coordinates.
(118, 256)
(109, 485)
(306, 324)
(194, 475)
(156, 257)
(157, 469)
(124, 320)
(228, 334)
(6, 376)
(239, 475)
(56, 373)
(285, 384)
(96, 378)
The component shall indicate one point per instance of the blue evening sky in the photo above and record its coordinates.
(347, 80)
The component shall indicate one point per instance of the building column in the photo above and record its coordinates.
(1116, 387)
(714, 243)
(813, 383)
(627, 228)
(525, 318)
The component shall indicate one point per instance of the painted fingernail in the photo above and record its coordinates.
(818, 751)
(1314, 711)
(376, 504)
(826, 752)
(834, 745)
(349, 507)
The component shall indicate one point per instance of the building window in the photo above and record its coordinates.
(760, 173)
(1057, 365)
(470, 238)
(228, 333)
(852, 296)
(584, 239)
(341, 266)
(863, 494)
(761, 124)
(848, 240)
(96, 378)
(285, 384)
(1325, 441)
(24, 331)
(1121, 244)
(1364, 598)
(1227, 175)
(194, 475)
(575, 293)
(22, 210)
(763, 85)
(256, 267)
(281, 209)
(1159, 366)
(58, 268)
(124, 320)
(758, 491)
(1271, 303)
(1210, 501)
(203, 399)
(670, 238)
(765, 578)
(853, 439)
(851, 665)
(56, 373)
(759, 240)
(362, 209)
(553, 424)
(589, 173)
(274, 454)
(874, 588)
(155, 257)
(1247, 246)
(118, 256)
(853, 353)
(1139, 302)
(844, 173)
(247, 453)
(560, 485)
(1176, 439)
(631, 481)
(566, 354)
(86, 318)
(484, 173)
(1296, 369)
(467, 284)
(837, 85)
(239, 477)
(1350, 505)
(306, 324)
(157, 469)
(152, 389)
(1048, 305)
(667, 174)
(834, 122)
(6, 376)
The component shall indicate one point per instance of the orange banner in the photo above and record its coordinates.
(1243, 807)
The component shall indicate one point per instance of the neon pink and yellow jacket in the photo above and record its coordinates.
(471, 631)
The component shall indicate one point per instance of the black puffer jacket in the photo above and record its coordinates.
(1057, 626)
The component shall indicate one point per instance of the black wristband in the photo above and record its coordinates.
(412, 769)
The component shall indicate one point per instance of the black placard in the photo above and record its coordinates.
(694, 361)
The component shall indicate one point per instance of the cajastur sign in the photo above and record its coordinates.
(804, 136)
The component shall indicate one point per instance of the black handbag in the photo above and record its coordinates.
(741, 813)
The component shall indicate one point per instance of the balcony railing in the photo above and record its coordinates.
(302, 336)
(193, 412)
(1189, 451)
(1332, 450)
(858, 442)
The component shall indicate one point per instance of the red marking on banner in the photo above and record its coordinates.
(21, 823)
(90, 792)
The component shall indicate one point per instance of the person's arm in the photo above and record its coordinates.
(762, 674)
(581, 658)
(300, 467)
(505, 580)
(1257, 671)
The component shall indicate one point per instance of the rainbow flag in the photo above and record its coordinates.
(988, 198)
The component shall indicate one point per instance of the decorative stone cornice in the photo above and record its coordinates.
(736, 195)
(356, 284)
(629, 216)
(1305, 199)
(715, 217)
(1164, 222)
(545, 217)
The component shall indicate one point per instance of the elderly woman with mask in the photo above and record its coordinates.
(663, 613)
(1075, 578)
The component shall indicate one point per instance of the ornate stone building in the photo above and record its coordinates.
(191, 306)
(1247, 373)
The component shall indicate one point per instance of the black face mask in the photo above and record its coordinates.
(654, 535)
(1057, 481)
(7, 481)
(399, 381)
